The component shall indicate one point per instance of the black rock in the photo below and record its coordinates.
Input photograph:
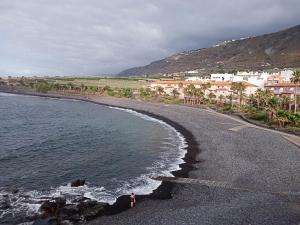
(4, 204)
(92, 209)
(66, 222)
(60, 202)
(77, 183)
(69, 211)
(15, 191)
(49, 208)
(47, 221)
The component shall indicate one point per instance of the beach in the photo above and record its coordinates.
(250, 158)
(261, 165)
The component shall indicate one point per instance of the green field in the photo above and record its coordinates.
(134, 83)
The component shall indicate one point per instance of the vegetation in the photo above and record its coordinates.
(262, 106)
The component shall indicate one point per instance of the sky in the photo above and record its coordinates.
(97, 37)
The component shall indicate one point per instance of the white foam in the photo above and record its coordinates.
(7, 94)
(169, 161)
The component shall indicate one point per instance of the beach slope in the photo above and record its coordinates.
(263, 166)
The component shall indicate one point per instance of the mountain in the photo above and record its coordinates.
(275, 50)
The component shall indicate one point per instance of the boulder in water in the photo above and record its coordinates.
(4, 204)
(77, 183)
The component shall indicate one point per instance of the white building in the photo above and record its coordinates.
(228, 77)
(205, 78)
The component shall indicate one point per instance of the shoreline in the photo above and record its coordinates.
(163, 191)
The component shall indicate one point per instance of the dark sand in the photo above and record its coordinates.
(249, 158)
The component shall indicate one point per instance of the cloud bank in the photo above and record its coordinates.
(92, 37)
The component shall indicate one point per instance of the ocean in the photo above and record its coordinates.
(46, 143)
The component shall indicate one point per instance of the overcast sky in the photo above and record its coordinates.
(89, 37)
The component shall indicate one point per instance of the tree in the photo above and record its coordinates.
(238, 88)
(285, 100)
(259, 97)
(190, 90)
(266, 96)
(56, 86)
(175, 93)
(211, 96)
(107, 88)
(144, 92)
(252, 100)
(180, 85)
(221, 99)
(70, 85)
(205, 87)
(160, 90)
(296, 80)
(82, 88)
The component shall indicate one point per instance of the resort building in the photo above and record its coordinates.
(284, 88)
(216, 87)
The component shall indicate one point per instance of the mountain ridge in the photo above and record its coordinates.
(275, 50)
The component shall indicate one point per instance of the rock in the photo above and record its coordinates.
(15, 191)
(4, 204)
(77, 183)
(49, 208)
(60, 202)
(66, 222)
(91, 209)
(47, 221)
(69, 211)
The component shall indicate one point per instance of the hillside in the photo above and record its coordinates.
(280, 49)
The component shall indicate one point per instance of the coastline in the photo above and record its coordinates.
(246, 157)
(165, 188)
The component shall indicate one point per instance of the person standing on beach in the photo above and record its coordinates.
(132, 200)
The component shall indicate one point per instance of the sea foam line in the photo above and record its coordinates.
(140, 185)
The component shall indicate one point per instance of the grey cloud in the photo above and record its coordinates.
(90, 37)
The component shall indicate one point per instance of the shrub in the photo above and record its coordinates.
(226, 107)
(260, 116)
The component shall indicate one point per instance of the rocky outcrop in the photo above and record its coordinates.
(56, 211)
(77, 183)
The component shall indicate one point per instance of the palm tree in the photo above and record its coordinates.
(252, 100)
(82, 87)
(272, 107)
(199, 93)
(160, 90)
(211, 96)
(221, 98)
(205, 87)
(296, 80)
(259, 97)
(285, 100)
(175, 93)
(190, 90)
(70, 85)
(239, 88)
(266, 95)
